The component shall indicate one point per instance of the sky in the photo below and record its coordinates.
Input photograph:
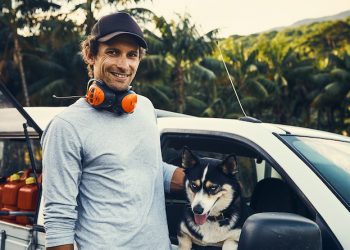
(233, 17)
(245, 16)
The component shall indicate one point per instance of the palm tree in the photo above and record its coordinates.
(246, 70)
(91, 6)
(334, 97)
(182, 48)
(56, 66)
(28, 18)
(290, 74)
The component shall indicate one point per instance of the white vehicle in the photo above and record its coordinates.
(300, 175)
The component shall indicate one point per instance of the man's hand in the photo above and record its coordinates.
(178, 180)
(62, 247)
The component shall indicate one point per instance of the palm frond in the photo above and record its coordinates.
(341, 74)
(256, 89)
(202, 73)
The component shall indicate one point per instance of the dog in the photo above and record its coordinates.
(214, 214)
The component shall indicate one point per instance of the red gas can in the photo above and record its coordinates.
(27, 200)
(1, 191)
(10, 195)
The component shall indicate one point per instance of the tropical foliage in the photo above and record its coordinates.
(298, 76)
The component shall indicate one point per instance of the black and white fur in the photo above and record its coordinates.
(214, 215)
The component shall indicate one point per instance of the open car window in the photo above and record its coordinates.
(213, 147)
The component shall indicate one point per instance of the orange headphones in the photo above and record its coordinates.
(100, 96)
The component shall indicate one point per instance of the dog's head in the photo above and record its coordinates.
(211, 184)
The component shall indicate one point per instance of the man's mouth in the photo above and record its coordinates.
(120, 75)
(200, 219)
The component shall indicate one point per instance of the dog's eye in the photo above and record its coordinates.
(213, 189)
(194, 186)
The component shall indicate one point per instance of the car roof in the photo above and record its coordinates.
(243, 128)
(300, 131)
(11, 121)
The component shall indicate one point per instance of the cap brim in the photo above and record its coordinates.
(139, 39)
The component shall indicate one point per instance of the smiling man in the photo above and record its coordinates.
(103, 175)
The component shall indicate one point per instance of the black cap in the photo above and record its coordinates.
(116, 24)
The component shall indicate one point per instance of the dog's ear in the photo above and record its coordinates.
(188, 158)
(229, 165)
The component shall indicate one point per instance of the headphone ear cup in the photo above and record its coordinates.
(95, 96)
(128, 102)
(99, 96)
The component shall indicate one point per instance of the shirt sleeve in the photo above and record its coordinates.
(168, 171)
(62, 155)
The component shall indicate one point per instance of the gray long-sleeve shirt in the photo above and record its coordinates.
(104, 179)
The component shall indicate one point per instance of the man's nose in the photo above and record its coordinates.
(121, 62)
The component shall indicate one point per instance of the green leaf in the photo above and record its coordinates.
(341, 74)
(256, 89)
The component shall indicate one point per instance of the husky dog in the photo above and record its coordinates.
(214, 214)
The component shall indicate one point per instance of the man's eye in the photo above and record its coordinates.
(112, 52)
(133, 54)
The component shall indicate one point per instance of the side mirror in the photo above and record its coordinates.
(279, 231)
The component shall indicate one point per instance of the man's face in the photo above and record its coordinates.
(116, 62)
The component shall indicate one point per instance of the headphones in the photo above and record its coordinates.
(100, 96)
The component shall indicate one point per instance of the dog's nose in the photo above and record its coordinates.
(198, 209)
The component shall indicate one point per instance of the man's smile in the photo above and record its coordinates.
(120, 75)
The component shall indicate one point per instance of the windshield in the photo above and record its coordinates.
(4, 101)
(330, 158)
(13, 116)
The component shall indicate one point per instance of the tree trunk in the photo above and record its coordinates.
(19, 60)
(179, 89)
(18, 56)
(89, 21)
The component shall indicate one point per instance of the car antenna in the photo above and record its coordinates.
(245, 118)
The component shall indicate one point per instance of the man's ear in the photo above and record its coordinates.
(90, 58)
(188, 158)
(229, 165)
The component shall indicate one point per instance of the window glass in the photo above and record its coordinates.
(4, 102)
(330, 158)
(14, 156)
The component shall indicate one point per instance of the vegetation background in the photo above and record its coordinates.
(297, 76)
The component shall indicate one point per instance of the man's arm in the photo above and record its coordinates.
(63, 247)
(61, 176)
(174, 178)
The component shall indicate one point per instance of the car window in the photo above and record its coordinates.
(14, 156)
(329, 158)
(214, 147)
(4, 102)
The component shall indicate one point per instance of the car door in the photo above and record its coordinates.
(266, 185)
(20, 171)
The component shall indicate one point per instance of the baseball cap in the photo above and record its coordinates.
(116, 24)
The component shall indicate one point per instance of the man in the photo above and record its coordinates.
(103, 175)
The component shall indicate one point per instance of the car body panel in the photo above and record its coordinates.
(319, 195)
(261, 136)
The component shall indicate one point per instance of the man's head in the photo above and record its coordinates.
(114, 49)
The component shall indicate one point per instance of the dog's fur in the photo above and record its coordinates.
(214, 215)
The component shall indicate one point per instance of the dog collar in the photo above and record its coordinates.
(219, 218)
